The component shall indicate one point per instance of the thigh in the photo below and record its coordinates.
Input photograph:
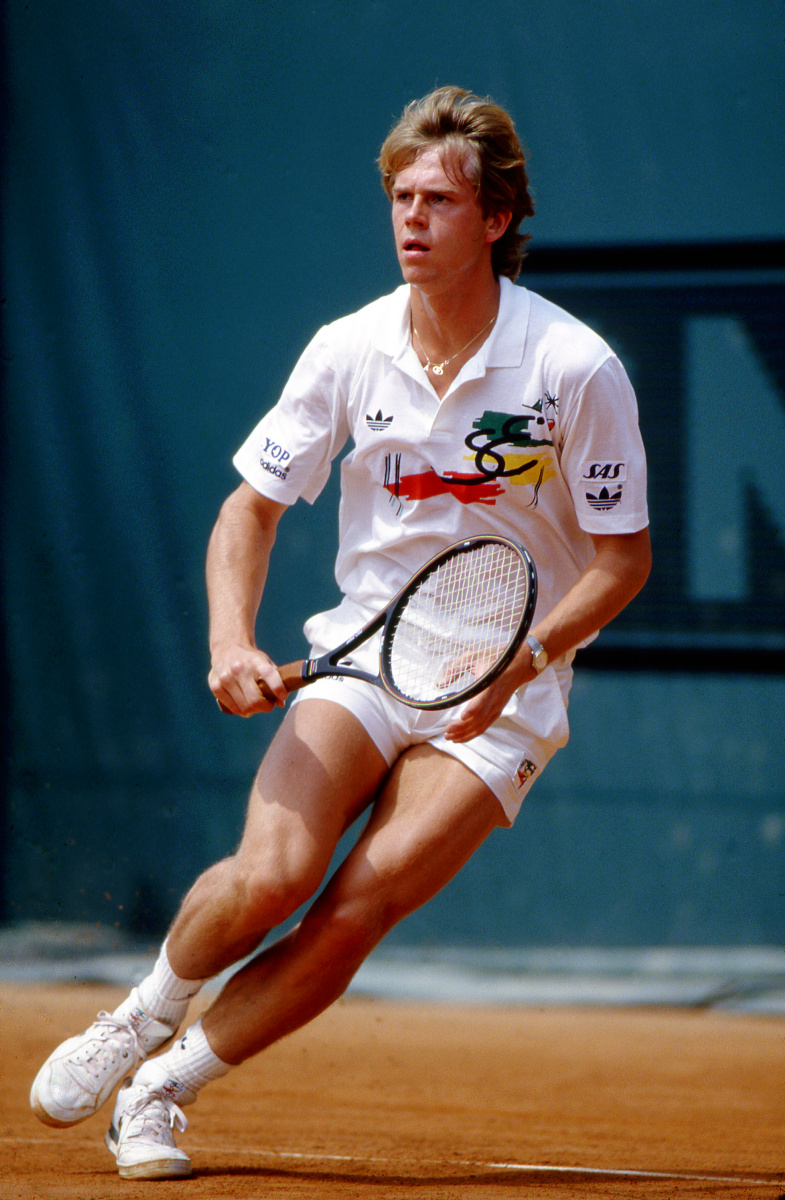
(431, 815)
(319, 773)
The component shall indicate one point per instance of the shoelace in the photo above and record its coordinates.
(96, 1060)
(157, 1114)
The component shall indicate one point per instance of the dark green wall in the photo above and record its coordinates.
(189, 191)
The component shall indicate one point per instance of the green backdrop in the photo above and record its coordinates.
(189, 190)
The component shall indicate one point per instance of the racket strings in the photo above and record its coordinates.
(460, 621)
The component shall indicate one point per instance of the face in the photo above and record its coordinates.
(442, 239)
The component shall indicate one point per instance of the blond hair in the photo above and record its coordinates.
(494, 160)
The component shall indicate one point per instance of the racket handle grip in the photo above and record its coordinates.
(292, 675)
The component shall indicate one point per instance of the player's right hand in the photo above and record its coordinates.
(245, 681)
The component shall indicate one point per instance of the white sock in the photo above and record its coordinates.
(190, 1063)
(164, 995)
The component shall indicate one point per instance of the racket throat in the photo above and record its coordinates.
(330, 664)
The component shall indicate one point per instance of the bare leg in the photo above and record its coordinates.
(319, 773)
(430, 817)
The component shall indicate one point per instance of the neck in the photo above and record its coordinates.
(445, 323)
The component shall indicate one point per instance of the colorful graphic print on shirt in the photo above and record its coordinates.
(514, 448)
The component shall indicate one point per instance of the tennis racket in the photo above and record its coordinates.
(449, 632)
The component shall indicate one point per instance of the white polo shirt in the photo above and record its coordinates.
(537, 439)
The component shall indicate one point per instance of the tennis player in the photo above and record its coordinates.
(472, 406)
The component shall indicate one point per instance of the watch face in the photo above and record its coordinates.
(539, 654)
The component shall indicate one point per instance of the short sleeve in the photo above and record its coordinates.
(603, 459)
(290, 452)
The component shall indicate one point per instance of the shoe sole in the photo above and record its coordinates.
(154, 1168)
(165, 1168)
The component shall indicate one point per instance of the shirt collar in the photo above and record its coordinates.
(391, 333)
(504, 347)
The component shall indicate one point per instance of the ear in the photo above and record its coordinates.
(498, 224)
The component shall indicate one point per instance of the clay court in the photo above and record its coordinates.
(376, 1099)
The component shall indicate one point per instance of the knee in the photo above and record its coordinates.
(267, 893)
(357, 922)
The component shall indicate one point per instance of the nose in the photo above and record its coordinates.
(416, 213)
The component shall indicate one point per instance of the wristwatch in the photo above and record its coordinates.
(539, 653)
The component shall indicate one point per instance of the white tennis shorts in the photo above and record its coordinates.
(507, 758)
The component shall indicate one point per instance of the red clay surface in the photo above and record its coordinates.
(377, 1100)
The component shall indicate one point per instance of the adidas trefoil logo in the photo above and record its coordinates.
(378, 423)
(605, 500)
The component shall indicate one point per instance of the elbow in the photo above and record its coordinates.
(247, 508)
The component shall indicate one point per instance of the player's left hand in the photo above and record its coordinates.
(479, 713)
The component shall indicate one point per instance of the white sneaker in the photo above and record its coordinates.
(145, 1113)
(83, 1072)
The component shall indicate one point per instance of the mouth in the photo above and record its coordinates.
(413, 246)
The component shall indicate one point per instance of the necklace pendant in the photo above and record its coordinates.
(437, 370)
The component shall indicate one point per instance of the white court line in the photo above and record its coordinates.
(469, 1165)
(529, 1168)
(633, 1174)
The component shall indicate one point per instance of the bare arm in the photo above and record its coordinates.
(238, 557)
(614, 576)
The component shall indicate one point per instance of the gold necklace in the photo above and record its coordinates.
(438, 368)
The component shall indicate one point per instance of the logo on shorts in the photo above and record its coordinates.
(526, 768)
